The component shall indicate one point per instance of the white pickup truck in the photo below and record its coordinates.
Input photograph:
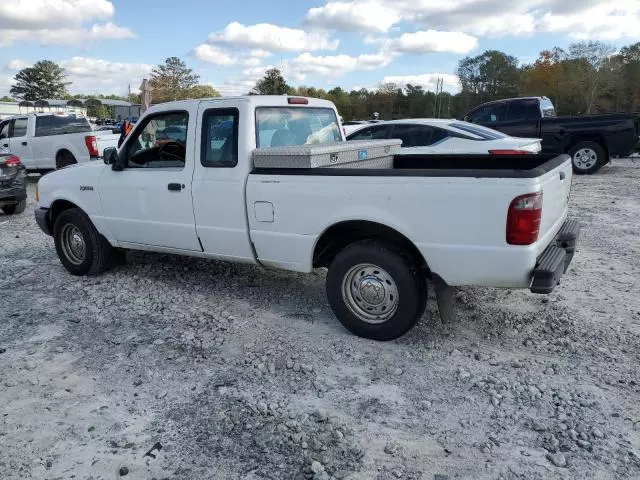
(49, 141)
(381, 232)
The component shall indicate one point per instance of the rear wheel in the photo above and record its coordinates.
(375, 291)
(81, 249)
(64, 159)
(587, 157)
(15, 209)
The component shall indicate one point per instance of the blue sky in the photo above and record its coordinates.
(106, 45)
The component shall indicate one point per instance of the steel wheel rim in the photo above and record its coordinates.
(73, 244)
(585, 158)
(370, 293)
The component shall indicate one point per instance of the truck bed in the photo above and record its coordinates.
(476, 166)
(461, 201)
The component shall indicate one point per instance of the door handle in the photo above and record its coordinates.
(175, 187)
(5, 145)
(24, 144)
(562, 175)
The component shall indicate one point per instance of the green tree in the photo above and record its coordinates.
(273, 83)
(202, 91)
(44, 80)
(172, 80)
(490, 75)
(6, 99)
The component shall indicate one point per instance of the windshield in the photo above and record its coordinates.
(478, 130)
(286, 126)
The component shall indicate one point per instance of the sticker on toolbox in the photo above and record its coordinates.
(363, 154)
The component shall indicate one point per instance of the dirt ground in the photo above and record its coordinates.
(233, 372)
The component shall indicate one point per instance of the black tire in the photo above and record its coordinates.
(582, 157)
(64, 159)
(16, 208)
(386, 264)
(97, 254)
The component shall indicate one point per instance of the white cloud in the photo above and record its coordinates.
(333, 66)
(265, 36)
(581, 19)
(212, 54)
(94, 75)
(58, 22)
(359, 15)
(607, 21)
(41, 14)
(79, 37)
(16, 65)
(429, 41)
(428, 81)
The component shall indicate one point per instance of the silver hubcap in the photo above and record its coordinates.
(73, 244)
(585, 158)
(370, 293)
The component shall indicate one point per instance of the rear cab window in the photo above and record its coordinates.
(61, 124)
(287, 126)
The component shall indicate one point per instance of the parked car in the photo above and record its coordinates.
(13, 183)
(590, 140)
(48, 141)
(438, 136)
(381, 232)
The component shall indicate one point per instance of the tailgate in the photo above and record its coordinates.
(556, 188)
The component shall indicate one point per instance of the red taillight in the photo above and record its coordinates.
(508, 152)
(92, 145)
(12, 161)
(523, 219)
(297, 101)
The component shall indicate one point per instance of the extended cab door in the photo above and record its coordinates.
(19, 143)
(149, 202)
(227, 135)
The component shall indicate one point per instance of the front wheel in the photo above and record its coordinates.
(80, 247)
(587, 157)
(375, 291)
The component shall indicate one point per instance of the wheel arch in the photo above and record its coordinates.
(56, 208)
(589, 137)
(339, 235)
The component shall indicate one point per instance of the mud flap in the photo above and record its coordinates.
(445, 298)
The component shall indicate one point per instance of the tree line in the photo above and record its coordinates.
(587, 77)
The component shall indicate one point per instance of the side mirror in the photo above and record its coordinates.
(110, 155)
(466, 118)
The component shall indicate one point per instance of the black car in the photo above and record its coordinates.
(590, 140)
(13, 184)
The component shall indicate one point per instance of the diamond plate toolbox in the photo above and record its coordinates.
(354, 154)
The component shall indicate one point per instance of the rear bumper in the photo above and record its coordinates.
(13, 192)
(41, 219)
(555, 259)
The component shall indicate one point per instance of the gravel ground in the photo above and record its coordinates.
(178, 368)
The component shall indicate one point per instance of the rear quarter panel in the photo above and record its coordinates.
(458, 224)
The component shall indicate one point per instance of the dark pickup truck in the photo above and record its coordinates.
(590, 140)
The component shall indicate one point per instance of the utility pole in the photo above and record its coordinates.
(435, 99)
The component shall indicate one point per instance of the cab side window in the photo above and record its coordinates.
(219, 138)
(489, 114)
(4, 130)
(19, 128)
(160, 142)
